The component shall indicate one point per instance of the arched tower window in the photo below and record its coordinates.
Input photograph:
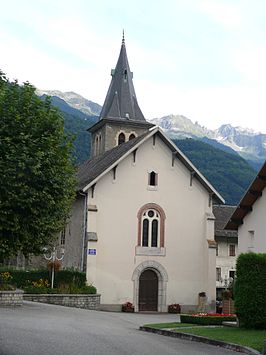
(97, 145)
(132, 136)
(121, 138)
(100, 143)
(151, 219)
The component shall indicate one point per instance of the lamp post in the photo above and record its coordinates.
(227, 281)
(53, 257)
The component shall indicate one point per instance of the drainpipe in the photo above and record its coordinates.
(84, 229)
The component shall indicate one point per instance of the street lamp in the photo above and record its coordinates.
(227, 281)
(53, 257)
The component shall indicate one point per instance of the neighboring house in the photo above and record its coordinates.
(249, 217)
(143, 215)
(227, 249)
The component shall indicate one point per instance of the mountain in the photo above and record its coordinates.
(247, 143)
(74, 100)
(228, 173)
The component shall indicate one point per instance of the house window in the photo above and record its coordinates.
(121, 138)
(218, 274)
(153, 179)
(232, 250)
(217, 250)
(232, 274)
(63, 237)
(132, 136)
(151, 226)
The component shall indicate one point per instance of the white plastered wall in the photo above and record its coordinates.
(252, 234)
(187, 259)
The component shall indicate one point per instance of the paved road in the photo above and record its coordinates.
(38, 329)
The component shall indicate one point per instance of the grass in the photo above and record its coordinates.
(245, 337)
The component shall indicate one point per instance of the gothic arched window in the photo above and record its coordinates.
(151, 226)
(121, 138)
(132, 136)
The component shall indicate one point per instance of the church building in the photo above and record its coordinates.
(144, 212)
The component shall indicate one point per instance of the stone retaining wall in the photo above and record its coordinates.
(11, 298)
(69, 300)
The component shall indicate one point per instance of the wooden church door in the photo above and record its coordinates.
(148, 291)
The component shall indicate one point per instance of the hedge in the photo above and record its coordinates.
(250, 290)
(206, 320)
(22, 278)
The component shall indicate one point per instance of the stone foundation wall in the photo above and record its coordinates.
(77, 300)
(11, 298)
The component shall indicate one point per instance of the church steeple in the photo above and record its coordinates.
(121, 118)
(121, 101)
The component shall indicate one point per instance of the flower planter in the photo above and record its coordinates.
(174, 308)
(128, 309)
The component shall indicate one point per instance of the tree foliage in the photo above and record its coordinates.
(250, 290)
(37, 183)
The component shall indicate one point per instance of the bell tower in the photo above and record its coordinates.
(121, 118)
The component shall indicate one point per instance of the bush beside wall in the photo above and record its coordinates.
(250, 290)
(22, 278)
(205, 320)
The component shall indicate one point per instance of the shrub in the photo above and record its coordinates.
(250, 290)
(206, 319)
(22, 278)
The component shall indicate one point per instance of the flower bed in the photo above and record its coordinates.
(207, 318)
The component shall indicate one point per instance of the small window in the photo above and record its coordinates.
(217, 250)
(232, 250)
(232, 274)
(218, 274)
(132, 136)
(153, 178)
(121, 138)
(63, 237)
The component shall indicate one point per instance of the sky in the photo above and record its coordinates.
(204, 59)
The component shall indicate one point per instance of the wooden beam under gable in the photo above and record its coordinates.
(246, 208)
(237, 221)
(255, 193)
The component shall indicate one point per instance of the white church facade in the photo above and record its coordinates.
(143, 211)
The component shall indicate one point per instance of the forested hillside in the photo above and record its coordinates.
(228, 173)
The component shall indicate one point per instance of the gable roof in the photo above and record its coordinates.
(121, 101)
(92, 170)
(252, 194)
(222, 214)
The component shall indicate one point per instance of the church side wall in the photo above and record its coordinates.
(74, 236)
(186, 256)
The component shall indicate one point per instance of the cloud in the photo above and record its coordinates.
(228, 15)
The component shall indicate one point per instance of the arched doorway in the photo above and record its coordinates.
(148, 291)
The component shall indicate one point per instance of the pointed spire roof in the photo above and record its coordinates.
(121, 101)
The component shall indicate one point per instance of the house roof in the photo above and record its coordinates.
(121, 101)
(222, 214)
(92, 170)
(252, 194)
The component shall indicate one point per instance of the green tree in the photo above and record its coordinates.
(37, 183)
